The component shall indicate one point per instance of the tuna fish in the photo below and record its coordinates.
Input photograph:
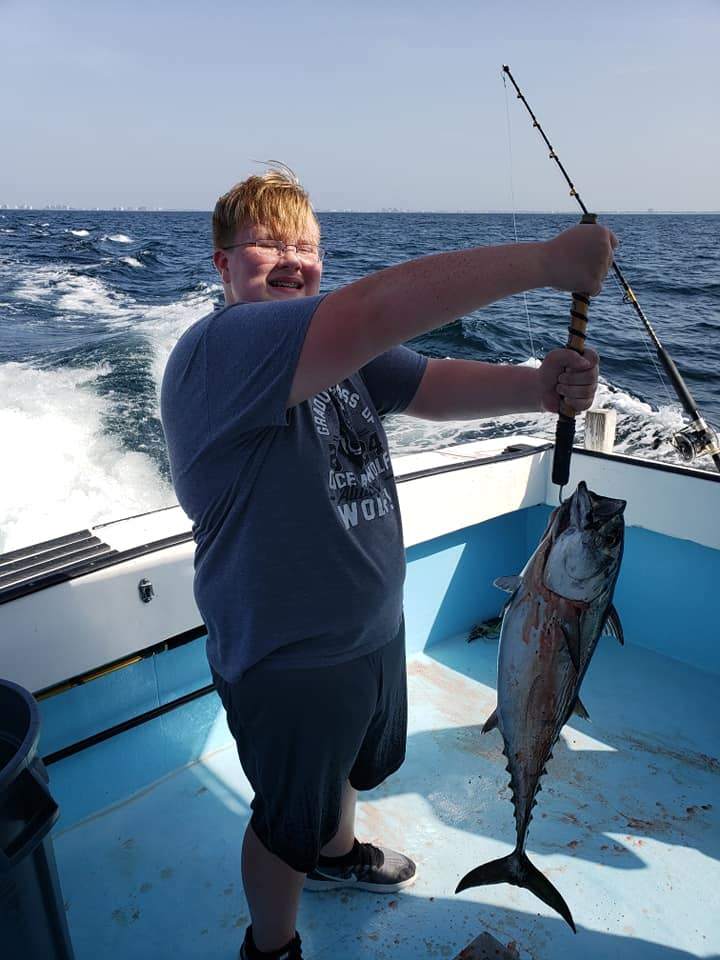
(560, 605)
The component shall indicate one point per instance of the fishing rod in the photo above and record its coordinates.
(694, 440)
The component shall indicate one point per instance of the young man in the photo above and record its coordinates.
(272, 412)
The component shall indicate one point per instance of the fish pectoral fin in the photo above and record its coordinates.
(508, 584)
(612, 626)
(571, 633)
(579, 709)
(491, 722)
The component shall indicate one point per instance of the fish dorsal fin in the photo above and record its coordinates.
(508, 584)
(579, 709)
(571, 633)
(491, 722)
(612, 626)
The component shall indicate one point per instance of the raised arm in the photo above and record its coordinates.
(356, 323)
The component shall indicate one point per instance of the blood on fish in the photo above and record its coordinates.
(546, 643)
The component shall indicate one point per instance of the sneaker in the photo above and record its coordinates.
(293, 951)
(373, 868)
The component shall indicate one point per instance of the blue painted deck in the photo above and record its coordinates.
(627, 827)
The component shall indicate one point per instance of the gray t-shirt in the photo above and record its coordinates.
(299, 551)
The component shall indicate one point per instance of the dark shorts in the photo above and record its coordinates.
(302, 732)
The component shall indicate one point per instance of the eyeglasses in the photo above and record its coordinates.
(272, 250)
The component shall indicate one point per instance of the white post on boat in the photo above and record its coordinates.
(600, 430)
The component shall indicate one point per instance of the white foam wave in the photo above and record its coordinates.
(80, 233)
(164, 325)
(72, 292)
(132, 261)
(78, 293)
(67, 473)
(119, 238)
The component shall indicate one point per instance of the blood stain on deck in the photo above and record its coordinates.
(694, 759)
(455, 697)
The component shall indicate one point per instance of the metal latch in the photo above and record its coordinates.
(145, 588)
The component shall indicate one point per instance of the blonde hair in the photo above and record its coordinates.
(276, 199)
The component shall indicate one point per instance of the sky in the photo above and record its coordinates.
(376, 105)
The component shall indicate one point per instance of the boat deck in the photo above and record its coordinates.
(627, 827)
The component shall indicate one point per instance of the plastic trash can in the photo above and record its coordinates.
(33, 925)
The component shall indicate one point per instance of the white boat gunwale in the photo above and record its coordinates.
(92, 615)
(107, 556)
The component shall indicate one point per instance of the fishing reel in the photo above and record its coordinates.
(696, 440)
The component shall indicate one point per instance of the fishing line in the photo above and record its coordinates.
(512, 195)
(646, 345)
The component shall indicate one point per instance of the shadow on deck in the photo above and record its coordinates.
(626, 827)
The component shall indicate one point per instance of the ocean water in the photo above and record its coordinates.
(93, 302)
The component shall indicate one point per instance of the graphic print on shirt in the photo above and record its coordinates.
(359, 462)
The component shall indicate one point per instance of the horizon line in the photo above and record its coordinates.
(57, 208)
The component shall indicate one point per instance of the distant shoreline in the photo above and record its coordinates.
(383, 212)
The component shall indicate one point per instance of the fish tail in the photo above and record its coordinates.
(517, 869)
